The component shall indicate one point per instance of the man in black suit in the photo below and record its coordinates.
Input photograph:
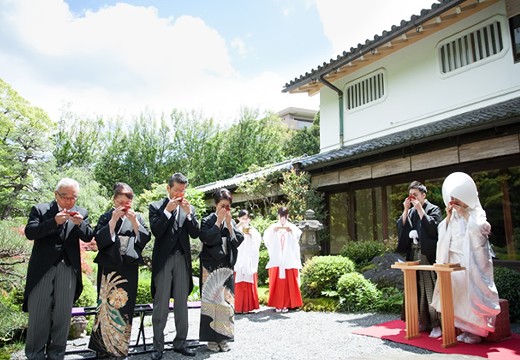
(173, 222)
(417, 238)
(54, 272)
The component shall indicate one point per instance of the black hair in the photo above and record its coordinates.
(243, 212)
(221, 194)
(283, 212)
(417, 185)
(177, 178)
(121, 187)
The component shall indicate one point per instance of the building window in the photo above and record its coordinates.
(514, 25)
(365, 90)
(474, 46)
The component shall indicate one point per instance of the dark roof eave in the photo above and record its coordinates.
(333, 65)
(505, 113)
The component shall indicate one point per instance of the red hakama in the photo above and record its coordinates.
(284, 293)
(246, 296)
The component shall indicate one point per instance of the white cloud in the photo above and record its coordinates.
(348, 23)
(123, 59)
(241, 46)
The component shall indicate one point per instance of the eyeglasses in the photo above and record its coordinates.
(67, 198)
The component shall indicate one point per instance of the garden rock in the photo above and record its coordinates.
(383, 275)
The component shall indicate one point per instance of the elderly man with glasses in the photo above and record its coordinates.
(54, 272)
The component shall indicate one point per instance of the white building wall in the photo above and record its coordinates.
(416, 90)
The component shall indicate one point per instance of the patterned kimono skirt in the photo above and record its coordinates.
(117, 291)
(217, 312)
(428, 316)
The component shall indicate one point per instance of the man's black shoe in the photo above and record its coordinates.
(185, 351)
(157, 355)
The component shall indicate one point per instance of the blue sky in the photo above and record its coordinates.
(120, 58)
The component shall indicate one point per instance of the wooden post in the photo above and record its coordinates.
(443, 271)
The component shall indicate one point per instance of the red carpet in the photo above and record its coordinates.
(395, 331)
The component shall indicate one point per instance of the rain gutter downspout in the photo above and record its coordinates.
(340, 103)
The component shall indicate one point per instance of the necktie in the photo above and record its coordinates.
(64, 230)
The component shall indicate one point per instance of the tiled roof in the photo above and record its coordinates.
(369, 45)
(486, 117)
(237, 179)
(490, 116)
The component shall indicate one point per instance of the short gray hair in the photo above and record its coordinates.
(67, 182)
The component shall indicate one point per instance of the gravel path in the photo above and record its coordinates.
(291, 336)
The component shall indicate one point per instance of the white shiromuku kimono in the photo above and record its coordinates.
(475, 297)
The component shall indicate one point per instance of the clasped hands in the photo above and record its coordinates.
(65, 215)
(173, 204)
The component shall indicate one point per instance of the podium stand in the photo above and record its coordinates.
(443, 271)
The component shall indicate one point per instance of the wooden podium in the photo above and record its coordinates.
(443, 271)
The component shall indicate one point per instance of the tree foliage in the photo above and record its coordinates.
(301, 195)
(25, 143)
(77, 142)
(305, 141)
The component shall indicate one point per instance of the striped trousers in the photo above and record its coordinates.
(174, 277)
(50, 305)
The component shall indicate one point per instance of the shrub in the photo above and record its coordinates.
(144, 293)
(12, 321)
(357, 293)
(195, 293)
(195, 265)
(320, 304)
(361, 252)
(263, 295)
(321, 274)
(508, 286)
(89, 295)
(263, 274)
(390, 301)
(15, 250)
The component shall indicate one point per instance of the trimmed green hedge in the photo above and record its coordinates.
(321, 274)
(508, 286)
(362, 252)
(357, 293)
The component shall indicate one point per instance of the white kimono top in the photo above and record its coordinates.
(283, 247)
(247, 258)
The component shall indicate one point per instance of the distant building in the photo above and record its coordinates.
(297, 118)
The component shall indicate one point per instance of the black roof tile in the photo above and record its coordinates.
(490, 116)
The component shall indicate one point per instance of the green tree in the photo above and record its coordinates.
(305, 141)
(253, 140)
(260, 192)
(77, 141)
(301, 196)
(111, 163)
(25, 149)
(196, 147)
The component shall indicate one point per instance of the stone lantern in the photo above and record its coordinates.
(308, 242)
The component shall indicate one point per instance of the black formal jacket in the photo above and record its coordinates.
(48, 244)
(109, 254)
(166, 237)
(426, 229)
(211, 238)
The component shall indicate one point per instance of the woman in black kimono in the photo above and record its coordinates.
(220, 239)
(121, 235)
